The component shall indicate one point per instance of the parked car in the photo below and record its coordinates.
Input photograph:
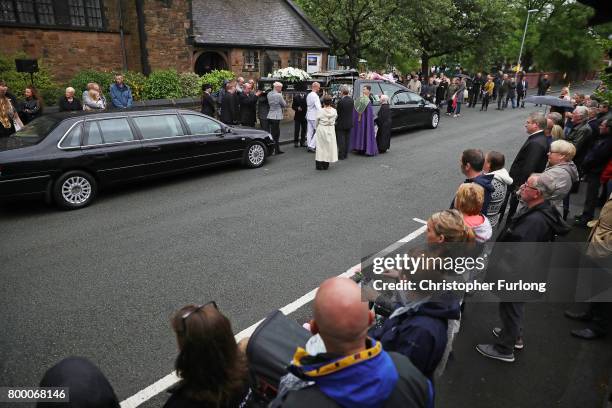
(408, 109)
(67, 157)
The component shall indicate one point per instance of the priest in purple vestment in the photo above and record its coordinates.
(363, 138)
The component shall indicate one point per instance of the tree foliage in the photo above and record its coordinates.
(451, 26)
(478, 34)
(358, 27)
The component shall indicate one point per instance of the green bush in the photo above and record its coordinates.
(215, 78)
(136, 81)
(82, 78)
(162, 84)
(190, 84)
(17, 81)
(604, 93)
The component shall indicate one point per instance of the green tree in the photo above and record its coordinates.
(446, 27)
(358, 27)
(573, 49)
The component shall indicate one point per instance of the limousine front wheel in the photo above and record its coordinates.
(255, 155)
(74, 189)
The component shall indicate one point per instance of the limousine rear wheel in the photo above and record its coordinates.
(254, 155)
(74, 189)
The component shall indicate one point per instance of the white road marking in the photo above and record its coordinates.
(166, 382)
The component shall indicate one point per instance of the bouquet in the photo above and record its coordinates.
(291, 74)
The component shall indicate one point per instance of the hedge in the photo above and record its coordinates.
(17, 81)
(160, 84)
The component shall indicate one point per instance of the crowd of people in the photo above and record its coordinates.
(355, 358)
(15, 113)
(391, 351)
(328, 130)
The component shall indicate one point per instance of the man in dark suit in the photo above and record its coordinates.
(521, 92)
(208, 104)
(344, 123)
(229, 107)
(532, 158)
(504, 87)
(543, 86)
(477, 84)
(299, 106)
(247, 100)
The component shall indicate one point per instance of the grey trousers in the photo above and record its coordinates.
(511, 315)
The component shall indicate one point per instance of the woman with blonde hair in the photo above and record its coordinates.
(469, 200)
(557, 133)
(93, 99)
(448, 226)
(8, 114)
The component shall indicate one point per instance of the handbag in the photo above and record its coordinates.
(465, 94)
(18, 123)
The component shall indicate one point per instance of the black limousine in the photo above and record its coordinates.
(67, 157)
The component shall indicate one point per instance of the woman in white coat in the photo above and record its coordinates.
(327, 149)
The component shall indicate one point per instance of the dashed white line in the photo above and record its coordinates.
(164, 383)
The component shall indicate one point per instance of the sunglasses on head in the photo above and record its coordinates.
(186, 315)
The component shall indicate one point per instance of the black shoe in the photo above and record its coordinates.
(279, 152)
(582, 223)
(311, 150)
(303, 145)
(580, 316)
(586, 334)
(296, 145)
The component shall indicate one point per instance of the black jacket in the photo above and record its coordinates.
(229, 109)
(412, 390)
(65, 106)
(208, 105)
(29, 110)
(520, 88)
(581, 136)
(543, 86)
(345, 113)
(179, 399)
(514, 256)
(88, 387)
(477, 83)
(299, 101)
(532, 158)
(598, 155)
(262, 106)
(383, 121)
(248, 105)
(537, 224)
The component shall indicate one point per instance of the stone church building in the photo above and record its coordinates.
(250, 37)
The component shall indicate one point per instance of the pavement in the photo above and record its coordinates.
(103, 281)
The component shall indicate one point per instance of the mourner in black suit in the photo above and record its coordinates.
(248, 105)
(521, 91)
(383, 121)
(344, 122)
(299, 119)
(229, 107)
(532, 158)
(477, 84)
(208, 104)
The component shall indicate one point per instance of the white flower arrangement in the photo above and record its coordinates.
(291, 74)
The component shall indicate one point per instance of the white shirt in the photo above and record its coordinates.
(314, 105)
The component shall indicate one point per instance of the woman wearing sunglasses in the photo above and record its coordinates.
(212, 369)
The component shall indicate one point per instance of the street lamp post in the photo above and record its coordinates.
(518, 64)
